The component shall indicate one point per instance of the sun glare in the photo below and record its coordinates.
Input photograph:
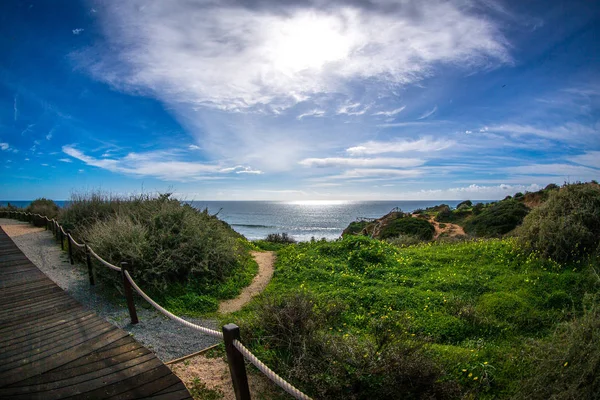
(308, 41)
(318, 202)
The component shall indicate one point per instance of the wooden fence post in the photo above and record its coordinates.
(88, 259)
(129, 294)
(237, 365)
(70, 245)
(61, 237)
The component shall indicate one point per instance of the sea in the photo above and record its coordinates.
(302, 220)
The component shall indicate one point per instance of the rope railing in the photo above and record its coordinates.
(230, 333)
(174, 317)
(269, 373)
(75, 242)
(103, 261)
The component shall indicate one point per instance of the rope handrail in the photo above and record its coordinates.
(75, 242)
(247, 354)
(269, 373)
(174, 317)
(106, 263)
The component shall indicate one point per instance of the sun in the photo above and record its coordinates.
(308, 40)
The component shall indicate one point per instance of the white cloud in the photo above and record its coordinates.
(65, 160)
(77, 31)
(428, 113)
(589, 159)
(391, 112)
(252, 56)
(567, 132)
(566, 171)
(353, 109)
(159, 164)
(472, 192)
(400, 146)
(49, 136)
(362, 162)
(4, 146)
(194, 147)
(377, 174)
(312, 113)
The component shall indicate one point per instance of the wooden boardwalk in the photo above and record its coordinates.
(53, 348)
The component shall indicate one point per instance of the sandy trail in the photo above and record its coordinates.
(449, 228)
(265, 260)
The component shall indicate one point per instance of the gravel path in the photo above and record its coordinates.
(167, 338)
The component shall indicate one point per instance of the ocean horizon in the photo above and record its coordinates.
(302, 220)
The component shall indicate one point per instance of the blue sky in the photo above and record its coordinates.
(227, 100)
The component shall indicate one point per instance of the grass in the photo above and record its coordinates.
(477, 305)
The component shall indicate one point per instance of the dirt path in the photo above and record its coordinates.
(449, 229)
(265, 260)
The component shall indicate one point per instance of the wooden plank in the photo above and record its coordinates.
(31, 294)
(127, 348)
(52, 348)
(85, 376)
(60, 374)
(42, 349)
(49, 335)
(60, 308)
(151, 388)
(48, 317)
(180, 394)
(116, 385)
(40, 366)
(58, 322)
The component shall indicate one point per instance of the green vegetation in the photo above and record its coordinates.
(497, 219)
(355, 227)
(408, 226)
(274, 241)
(187, 259)
(567, 226)
(344, 319)
(567, 365)
(44, 207)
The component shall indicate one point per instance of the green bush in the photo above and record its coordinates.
(185, 257)
(293, 336)
(567, 226)
(568, 365)
(45, 207)
(416, 227)
(464, 204)
(280, 238)
(497, 219)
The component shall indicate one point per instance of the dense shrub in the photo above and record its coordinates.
(444, 213)
(45, 207)
(187, 258)
(294, 337)
(478, 208)
(568, 365)
(567, 226)
(497, 219)
(464, 204)
(280, 238)
(416, 227)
